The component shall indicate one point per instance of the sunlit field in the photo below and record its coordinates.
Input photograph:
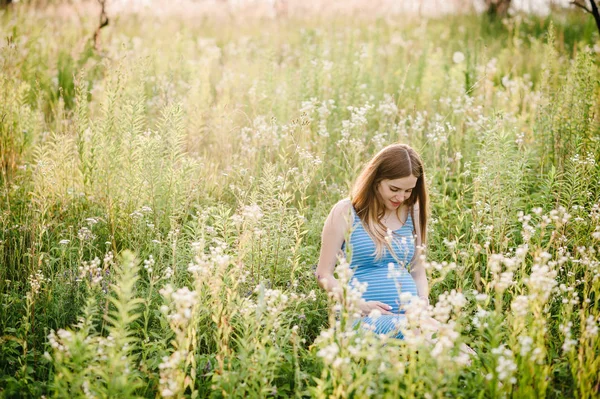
(163, 192)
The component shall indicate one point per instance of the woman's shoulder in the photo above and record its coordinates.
(415, 206)
(342, 210)
(413, 211)
(343, 206)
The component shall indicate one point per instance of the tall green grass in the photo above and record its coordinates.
(163, 199)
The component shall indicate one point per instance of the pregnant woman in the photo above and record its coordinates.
(385, 222)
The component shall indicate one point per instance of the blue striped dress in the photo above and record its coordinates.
(387, 278)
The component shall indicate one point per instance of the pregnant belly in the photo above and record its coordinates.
(394, 289)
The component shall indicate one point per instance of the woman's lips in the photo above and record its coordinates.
(395, 204)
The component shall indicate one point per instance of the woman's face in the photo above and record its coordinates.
(393, 192)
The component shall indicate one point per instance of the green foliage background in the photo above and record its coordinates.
(159, 141)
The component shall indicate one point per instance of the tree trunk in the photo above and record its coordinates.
(594, 10)
(497, 8)
(596, 14)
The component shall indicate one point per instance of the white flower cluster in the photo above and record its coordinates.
(443, 266)
(411, 125)
(447, 303)
(502, 277)
(542, 280)
(438, 132)
(249, 214)
(559, 217)
(354, 289)
(275, 302)
(86, 390)
(204, 265)
(520, 306)
(396, 271)
(109, 260)
(595, 212)
(480, 296)
(139, 214)
(572, 299)
(248, 307)
(182, 302)
(92, 271)
(104, 347)
(308, 107)
(506, 366)
(252, 213)
(35, 281)
(387, 107)
(569, 342)
(589, 159)
(308, 157)
(525, 345)
(458, 57)
(85, 234)
(379, 140)
(332, 342)
(91, 221)
(357, 123)
(596, 234)
(480, 317)
(60, 340)
(528, 229)
(591, 326)
(423, 321)
(262, 134)
(169, 371)
(329, 352)
(446, 338)
(149, 264)
(324, 111)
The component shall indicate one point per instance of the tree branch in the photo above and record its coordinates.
(596, 14)
(577, 4)
(102, 23)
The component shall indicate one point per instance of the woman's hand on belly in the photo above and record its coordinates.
(367, 307)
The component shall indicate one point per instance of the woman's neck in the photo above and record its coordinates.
(394, 213)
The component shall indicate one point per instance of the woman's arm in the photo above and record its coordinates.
(335, 228)
(417, 270)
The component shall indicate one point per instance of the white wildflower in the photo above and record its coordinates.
(85, 234)
(520, 305)
(252, 213)
(591, 326)
(375, 314)
(35, 281)
(458, 57)
(329, 353)
(506, 367)
(149, 264)
(525, 343)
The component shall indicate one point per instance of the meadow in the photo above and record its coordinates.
(163, 193)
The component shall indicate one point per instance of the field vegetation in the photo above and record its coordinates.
(163, 191)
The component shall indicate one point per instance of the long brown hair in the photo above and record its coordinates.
(393, 162)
